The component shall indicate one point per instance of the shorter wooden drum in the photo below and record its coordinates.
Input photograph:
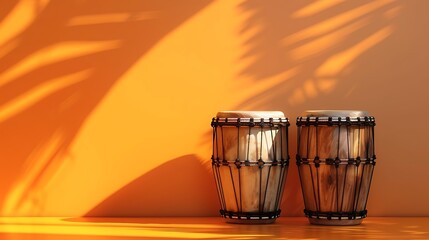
(250, 159)
(336, 160)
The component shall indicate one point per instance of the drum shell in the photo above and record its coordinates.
(336, 164)
(250, 167)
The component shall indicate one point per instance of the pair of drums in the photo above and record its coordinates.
(335, 159)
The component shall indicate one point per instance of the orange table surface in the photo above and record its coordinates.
(206, 228)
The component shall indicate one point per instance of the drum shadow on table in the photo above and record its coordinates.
(183, 186)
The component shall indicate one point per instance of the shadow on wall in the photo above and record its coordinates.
(57, 69)
(6, 8)
(304, 62)
(309, 47)
(324, 54)
(315, 55)
(172, 189)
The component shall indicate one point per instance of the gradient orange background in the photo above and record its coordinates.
(105, 106)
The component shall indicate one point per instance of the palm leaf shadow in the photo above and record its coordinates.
(290, 39)
(56, 117)
(308, 49)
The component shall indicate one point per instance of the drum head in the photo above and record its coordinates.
(335, 113)
(250, 114)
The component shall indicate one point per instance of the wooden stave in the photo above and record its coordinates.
(275, 174)
(310, 186)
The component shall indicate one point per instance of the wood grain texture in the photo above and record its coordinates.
(250, 188)
(327, 188)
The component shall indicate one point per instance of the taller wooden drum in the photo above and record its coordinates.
(250, 159)
(336, 159)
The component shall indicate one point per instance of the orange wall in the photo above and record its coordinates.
(105, 106)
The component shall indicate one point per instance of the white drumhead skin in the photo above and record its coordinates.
(250, 114)
(335, 113)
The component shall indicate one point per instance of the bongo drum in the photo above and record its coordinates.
(336, 159)
(249, 161)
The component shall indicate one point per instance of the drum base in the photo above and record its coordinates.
(250, 221)
(335, 222)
